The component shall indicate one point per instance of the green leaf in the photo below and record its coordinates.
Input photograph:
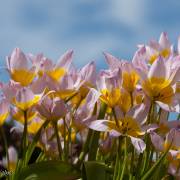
(96, 171)
(46, 170)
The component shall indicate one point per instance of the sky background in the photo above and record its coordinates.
(87, 26)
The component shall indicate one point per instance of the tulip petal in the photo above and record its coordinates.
(139, 144)
(158, 69)
(157, 141)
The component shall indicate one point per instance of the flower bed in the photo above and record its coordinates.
(82, 124)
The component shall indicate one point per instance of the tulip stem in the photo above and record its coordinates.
(131, 96)
(5, 144)
(93, 144)
(124, 161)
(117, 167)
(85, 148)
(65, 142)
(178, 118)
(58, 140)
(24, 138)
(115, 117)
(132, 163)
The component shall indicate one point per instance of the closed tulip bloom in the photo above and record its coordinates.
(109, 83)
(13, 158)
(52, 108)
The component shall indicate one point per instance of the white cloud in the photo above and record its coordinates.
(43, 39)
(130, 12)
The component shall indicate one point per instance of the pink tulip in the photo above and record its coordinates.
(52, 108)
(128, 125)
(158, 83)
(25, 99)
(84, 114)
(17, 65)
(109, 84)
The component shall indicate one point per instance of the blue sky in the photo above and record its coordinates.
(87, 26)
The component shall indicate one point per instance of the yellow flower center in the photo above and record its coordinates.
(26, 105)
(127, 126)
(111, 98)
(130, 80)
(164, 53)
(22, 76)
(158, 89)
(153, 58)
(56, 73)
(125, 101)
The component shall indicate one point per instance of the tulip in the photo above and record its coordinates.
(158, 83)
(128, 125)
(25, 99)
(52, 108)
(13, 158)
(163, 48)
(129, 75)
(57, 71)
(109, 83)
(17, 65)
(84, 114)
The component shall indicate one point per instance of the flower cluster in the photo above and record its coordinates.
(118, 116)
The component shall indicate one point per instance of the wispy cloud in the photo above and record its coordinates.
(89, 27)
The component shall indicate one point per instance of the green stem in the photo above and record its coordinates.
(58, 140)
(159, 116)
(132, 163)
(5, 145)
(118, 160)
(115, 117)
(93, 146)
(24, 138)
(131, 96)
(178, 118)
(85, 148)
(40, 157)
(116, 168)
(95, 136)
(155, 166)
(65, 143)
(138, 167)
(68, 99)
(125, 159)
(146, 154)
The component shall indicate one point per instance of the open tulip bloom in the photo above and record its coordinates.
(66, 123)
